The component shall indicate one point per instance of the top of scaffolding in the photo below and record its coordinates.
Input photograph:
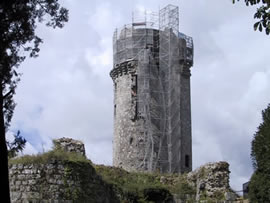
(167, 17)
(148, 19)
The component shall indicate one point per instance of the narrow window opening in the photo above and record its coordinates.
(187, 161)
(131, 140)
(115, 86)
(134, 85)
(115, 109)
(134, 89)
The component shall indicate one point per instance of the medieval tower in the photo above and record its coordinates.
(152, 113)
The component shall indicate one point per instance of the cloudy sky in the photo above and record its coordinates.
(67, 90)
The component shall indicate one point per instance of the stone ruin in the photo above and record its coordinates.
(62, 182)
(212, 180)
(59, 181)
(70, 145)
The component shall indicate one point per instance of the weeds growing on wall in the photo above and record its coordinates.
(146, 187)
(48, 156)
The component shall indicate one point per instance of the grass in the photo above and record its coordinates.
(46, 157)
(137, 187)
(145, 187)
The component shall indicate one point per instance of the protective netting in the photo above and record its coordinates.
(153, 41)
(168, 60)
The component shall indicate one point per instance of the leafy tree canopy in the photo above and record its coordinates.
(18, 22)
(260, 151)
(262, 14)
(16, 146)
(259, 187)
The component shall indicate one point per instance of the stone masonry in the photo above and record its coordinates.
(212, 180)
(152, 113)
(59, 181)
(66, 181)
(70, 145)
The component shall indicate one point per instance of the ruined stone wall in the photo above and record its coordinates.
(212, 181)
(58, 179)
(66, 180)
(70, 145)
(57, 182)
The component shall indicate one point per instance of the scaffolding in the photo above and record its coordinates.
(187, 52)
(152, 39)
(168, 55)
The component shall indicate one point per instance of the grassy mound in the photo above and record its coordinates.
(146, 187)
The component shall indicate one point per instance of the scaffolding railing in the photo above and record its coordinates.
(188, 51)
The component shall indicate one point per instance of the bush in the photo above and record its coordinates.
(259, 187)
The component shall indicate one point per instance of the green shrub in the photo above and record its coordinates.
(184, 190)
(146, 187)
(259, 187)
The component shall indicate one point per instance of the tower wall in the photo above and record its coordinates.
(152, 126)
(171, 81)
(186, 141)
(134, 146)
(128, 146)
(186, 61)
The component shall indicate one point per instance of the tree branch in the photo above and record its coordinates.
(9, 93)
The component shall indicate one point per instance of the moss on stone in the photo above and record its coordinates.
(44, 158)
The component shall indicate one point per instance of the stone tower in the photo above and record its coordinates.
(151, 76)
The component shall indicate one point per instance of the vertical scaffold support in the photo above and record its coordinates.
(168, 55)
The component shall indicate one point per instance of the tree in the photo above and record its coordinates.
(262, 13)
(259, 187)
(16, 146)
(18, 22)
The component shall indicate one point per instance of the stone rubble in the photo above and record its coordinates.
(70, 145)
(63, 181)
(211, 180)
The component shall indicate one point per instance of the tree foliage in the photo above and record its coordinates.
(16, 146)
(18, 23)
(259, 188)
(262, 14)
(260, 151)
